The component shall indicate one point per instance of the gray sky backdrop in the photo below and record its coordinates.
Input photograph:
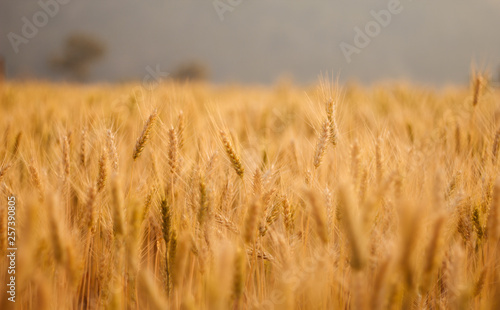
(432, 42)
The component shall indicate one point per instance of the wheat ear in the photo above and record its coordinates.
(83, 148)
(113, 152)
(322, 144)
(144, 137)
(233, 157)
(103, 171)
(331, 109)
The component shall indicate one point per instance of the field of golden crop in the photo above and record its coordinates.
(195, 196)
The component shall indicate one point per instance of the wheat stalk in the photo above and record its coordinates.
(65, 158)
(252, 218)
(144, 137)
(496, 144)
(180, 129)
(352, 227)
(233, 157)
(35, 179)
(321, 146)
(113, 151)
(117, 208)
(83, 148)
(103, 170)
(172, 151)
(331, 109)
(319, 217)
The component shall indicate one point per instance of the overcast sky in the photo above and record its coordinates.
(257, 41)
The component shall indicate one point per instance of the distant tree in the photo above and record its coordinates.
(79, 52)
(191, 71)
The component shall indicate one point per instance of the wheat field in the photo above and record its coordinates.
(196, 196)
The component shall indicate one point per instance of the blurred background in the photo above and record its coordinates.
(243, 41)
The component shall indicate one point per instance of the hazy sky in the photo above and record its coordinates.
(257, 41)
